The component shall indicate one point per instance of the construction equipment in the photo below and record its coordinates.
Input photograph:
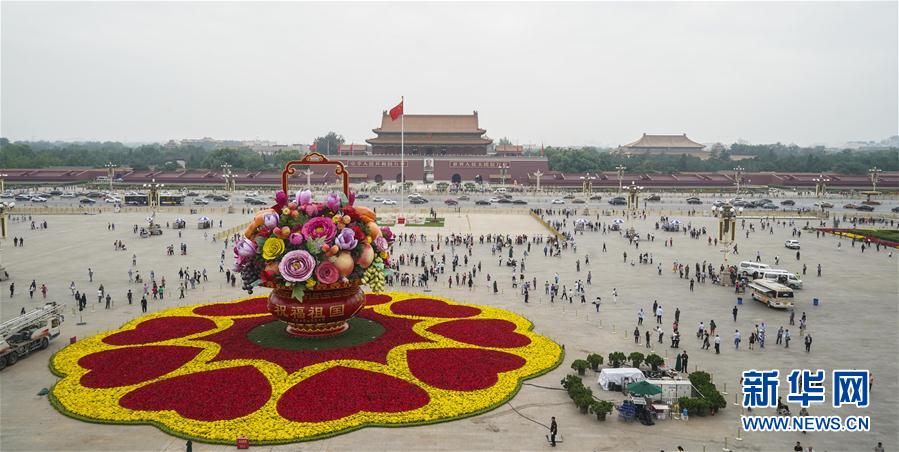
(29, 332)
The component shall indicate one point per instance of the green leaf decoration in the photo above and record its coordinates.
(298, 291)
(343, 199)
(315, 246)
(260, 241)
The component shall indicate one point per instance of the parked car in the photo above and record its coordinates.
(191, 193)
(578, 201)
(865, 208)
(418, 200)
(568, 196)
(451, 202)
(253, 201)
(201, 201)
(792, 244)
(770, 206)
(788, 202)
(823, 205)
(38, 199)
(377, 199)
(225, 198)
(519, 201)
(558, 201)
(653, 198)
(595, 198)
(68, 195)
(482, 202)
(505, 201)
(112, 200)
(464, 198)
(23, 198)
(618, 201)
(87, 201)
(361, 195)
(850, 206)
(694, 200)
(388, 202)
(895, 209)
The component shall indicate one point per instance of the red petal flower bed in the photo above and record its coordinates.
(461, 369)
(341, 391)
(161, 329)
(483, 332)
(425, 307)
(128, 366)
(215, 395)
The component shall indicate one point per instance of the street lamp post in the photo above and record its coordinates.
(633, 196)
(820, 185)
(308, 173)
(538, 174)
(620, 169)
(3, 177)
(110, 173)
(738, 177)
(5, 207)
(727, 226)
(153, 196)
(874, 176)
(503, 170)
(230, 183)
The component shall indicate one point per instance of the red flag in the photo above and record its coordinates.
(397, 111)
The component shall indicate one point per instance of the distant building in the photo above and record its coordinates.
(664, 144)
(431, 135)
(352, 149)
(509, 149)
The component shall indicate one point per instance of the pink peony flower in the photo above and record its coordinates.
(295, 238)
(327, 273)
(387, 233)
(319, 227)
(296, 266)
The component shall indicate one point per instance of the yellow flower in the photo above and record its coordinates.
(285, 211)
(273, 248)
(310, 283)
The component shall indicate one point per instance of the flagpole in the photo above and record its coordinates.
(402, 156)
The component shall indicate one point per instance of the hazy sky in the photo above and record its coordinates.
(563, 74)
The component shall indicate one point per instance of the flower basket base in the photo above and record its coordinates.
(321, 313)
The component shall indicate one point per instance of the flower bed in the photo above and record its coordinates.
(192, 371)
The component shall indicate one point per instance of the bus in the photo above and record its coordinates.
(136, 200)
(171, 200)
(773, 294)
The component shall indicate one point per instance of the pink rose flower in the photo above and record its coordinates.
(327, 273)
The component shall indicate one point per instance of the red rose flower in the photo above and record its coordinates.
(349, 210)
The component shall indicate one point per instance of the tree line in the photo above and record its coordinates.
(773, 157)
(763, 158)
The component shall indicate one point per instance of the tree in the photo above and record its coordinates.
(504, 140)
(636, 359)
(328, 144)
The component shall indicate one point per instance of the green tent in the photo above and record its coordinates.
(643, 388)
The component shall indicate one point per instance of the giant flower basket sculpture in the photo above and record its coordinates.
(315, 255)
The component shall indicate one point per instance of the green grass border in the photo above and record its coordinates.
(59, 407)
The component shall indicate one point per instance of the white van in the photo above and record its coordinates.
(783, 277)
(754, 269)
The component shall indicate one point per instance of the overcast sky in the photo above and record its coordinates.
(562, 74)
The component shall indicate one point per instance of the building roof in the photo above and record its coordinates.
(509, 149)
(352, 148)
(427, 140)
(432, 123)
(665, 141)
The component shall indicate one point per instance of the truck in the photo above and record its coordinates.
(29, 332)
